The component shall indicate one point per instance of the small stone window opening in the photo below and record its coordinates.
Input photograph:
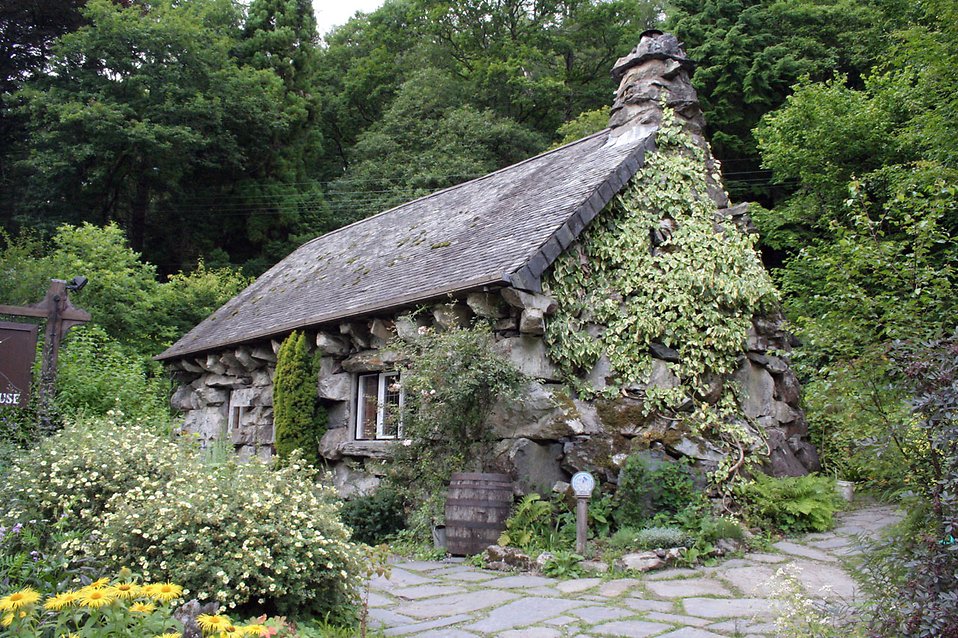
(379, 406)
(239, 402)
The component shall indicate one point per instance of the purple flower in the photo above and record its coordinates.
(16, 528)
(35, 555)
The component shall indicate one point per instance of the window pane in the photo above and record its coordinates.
(392, 404)
(368, 404)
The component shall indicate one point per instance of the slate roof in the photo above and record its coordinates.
(505, 228)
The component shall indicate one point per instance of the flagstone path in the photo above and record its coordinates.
(449, 599)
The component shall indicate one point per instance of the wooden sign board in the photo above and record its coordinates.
(18, 349)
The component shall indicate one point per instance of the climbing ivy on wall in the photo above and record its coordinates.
(298, 422)
(695, 292)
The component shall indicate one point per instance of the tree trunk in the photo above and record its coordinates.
(137, 227)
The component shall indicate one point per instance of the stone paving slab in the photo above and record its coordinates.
(826, 581)
(471, 576)
(613, 588)
(417, 629)
(727, 607)
(399, 578)
(510, 582)
(676, 619)
(378, 600)
(752, 580)
(458, 603)
(597, 614)
(831, 543)
(521, 613)
(642, 604)
(689, 587)
(426, 591)
(795, 549)
(690, 632)
(739, 626)
(562, 621)
(447, 633)
(419, 565)
(766, 558)
(630, 629)
(535, 632)
(389, 618)
(578, 584)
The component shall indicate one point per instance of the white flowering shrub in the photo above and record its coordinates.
(245, 535)
(799, 615)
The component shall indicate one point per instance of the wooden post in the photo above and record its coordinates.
(581, 523)
(61, 315)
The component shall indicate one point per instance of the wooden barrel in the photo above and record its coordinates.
(477, 506)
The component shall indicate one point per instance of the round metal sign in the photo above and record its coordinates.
(583, 484)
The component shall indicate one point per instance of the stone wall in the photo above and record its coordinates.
(542, 438)
(241, 378)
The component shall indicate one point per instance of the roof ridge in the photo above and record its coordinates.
(453, 187)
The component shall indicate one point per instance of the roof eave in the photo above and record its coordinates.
(370, 309)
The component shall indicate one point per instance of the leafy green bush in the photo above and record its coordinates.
(629, 538)
(793, 504)
(714, 528)
(647, 490)
(96, 374)
(376, 517)
(31, 556)
(299, 423)
(19, 428)
(124, 295)
(911, 573)
(563, 564)
(244, 535)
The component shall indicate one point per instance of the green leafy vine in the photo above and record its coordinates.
(696, 291)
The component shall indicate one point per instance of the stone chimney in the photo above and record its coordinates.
(658, 69)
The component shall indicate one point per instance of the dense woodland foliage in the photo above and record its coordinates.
(169, 149)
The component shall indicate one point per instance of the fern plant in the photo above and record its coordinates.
(531, 521)
(793, 504)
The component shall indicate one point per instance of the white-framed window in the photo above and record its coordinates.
(379, 406)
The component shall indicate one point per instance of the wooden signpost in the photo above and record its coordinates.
(15, 356)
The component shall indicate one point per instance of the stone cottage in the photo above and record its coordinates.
(492, 249)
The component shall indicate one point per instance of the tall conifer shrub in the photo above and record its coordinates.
(298, 422)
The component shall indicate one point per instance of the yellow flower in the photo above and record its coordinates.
(163, 592)
(143, 608)
(125, 590)
(94, 598)
(211, 624)
(19, 599)
(7, 619)
(252, 630)
(60, 601)
(100, 582)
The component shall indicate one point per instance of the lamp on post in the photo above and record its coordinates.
(582, 484)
